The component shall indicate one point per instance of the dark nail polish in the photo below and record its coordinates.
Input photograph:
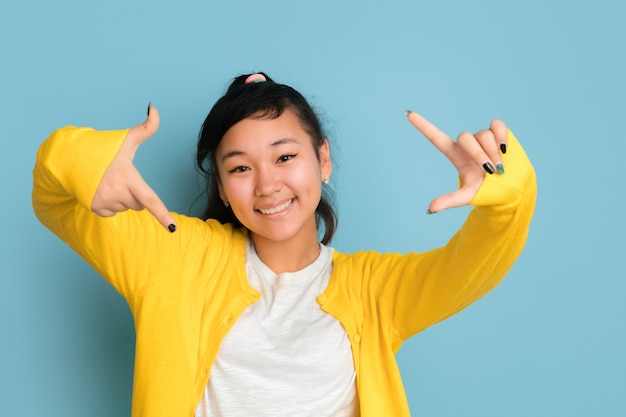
(149, 105)
(489, 168)
(171, 228)
(430, 212)
(503, 147)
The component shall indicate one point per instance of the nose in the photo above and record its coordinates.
(268, 183)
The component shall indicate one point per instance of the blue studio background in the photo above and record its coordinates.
(549, 341)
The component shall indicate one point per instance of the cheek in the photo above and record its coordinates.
(307, 178)
(235, 190)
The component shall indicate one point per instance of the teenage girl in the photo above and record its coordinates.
(245, 312)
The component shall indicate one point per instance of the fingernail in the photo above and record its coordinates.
(500, 168)
(430, 212)
(503, 147)
(150, 105)
(489, 168)
(171, 228)
(407, 112)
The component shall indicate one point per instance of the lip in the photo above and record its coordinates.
(276, 209)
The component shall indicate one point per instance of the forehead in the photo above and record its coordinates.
(263, 132)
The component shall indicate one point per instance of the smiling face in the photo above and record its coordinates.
(271, 176)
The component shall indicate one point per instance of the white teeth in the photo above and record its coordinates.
(277, 209)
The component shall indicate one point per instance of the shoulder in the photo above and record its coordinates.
(209, 231)
(369, 260)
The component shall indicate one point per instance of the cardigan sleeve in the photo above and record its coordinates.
(418, 290)
(131, 250)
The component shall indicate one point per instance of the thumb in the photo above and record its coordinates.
(140, 133)
(456, 198)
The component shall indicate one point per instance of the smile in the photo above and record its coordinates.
(277, 209)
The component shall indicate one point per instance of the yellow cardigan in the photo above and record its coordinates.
(186, 289)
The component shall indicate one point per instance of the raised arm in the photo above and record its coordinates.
(84, 183)
(473, 155)
(419, 290)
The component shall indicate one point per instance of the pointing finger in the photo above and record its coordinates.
(435, 135)
(151, 201)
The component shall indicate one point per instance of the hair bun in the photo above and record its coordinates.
(255, 78)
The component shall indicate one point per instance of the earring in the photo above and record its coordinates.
(326, 180)
(226, 203)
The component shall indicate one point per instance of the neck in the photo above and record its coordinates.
(286, 256)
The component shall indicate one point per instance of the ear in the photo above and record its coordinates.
(326, 163)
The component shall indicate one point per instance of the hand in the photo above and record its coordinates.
(473, 156)
(122, 187)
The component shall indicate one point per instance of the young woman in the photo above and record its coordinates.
(245, 312)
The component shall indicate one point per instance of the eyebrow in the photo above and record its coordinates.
(279, 142)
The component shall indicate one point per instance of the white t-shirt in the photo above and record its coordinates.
(284, 356)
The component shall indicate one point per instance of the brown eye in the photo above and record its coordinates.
(239, 169)
(285, 158)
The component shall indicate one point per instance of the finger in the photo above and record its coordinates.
(134, 204)
(472, 147)
(151, 201)
(487, 141)
(436, 136)
(111, 208)
(456, 198)
(140, 133)
(501, 133)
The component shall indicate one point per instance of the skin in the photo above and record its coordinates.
(467, 154)
(268, 165)
(267, 180)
